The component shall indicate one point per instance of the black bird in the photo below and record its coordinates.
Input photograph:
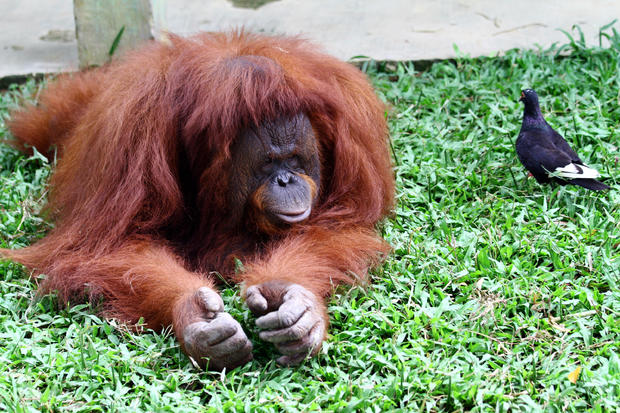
(546, 154)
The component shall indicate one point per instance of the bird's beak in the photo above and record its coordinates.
(522, 97)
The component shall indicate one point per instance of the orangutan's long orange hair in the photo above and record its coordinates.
(139, 197)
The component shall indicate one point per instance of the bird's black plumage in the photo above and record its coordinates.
(546, 154)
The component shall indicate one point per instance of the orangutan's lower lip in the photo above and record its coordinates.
(294, 217)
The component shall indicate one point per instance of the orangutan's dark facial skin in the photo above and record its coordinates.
(276, 170)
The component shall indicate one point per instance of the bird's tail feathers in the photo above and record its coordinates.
(591, 184)
(575, 171)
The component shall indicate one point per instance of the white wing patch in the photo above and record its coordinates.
(572, 171)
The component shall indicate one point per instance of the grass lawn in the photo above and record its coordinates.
(498, 288)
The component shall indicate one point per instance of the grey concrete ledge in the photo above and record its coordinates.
(38, 36)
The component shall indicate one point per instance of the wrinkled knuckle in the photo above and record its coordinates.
(209, 296)
(222, 332)
(287, 318)
(252, 291)
(254, 304)
(317, 319)
(297, 332)
(193, 333)
(225, 318)
(246, 348)
(231, 346)
(270, 336)
(222, 323)
(239, 341)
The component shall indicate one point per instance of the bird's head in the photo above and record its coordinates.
(529, 97)
(530, 103)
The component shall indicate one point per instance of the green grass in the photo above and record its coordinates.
(497, 289)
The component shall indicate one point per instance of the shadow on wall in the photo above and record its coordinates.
(250, 4)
